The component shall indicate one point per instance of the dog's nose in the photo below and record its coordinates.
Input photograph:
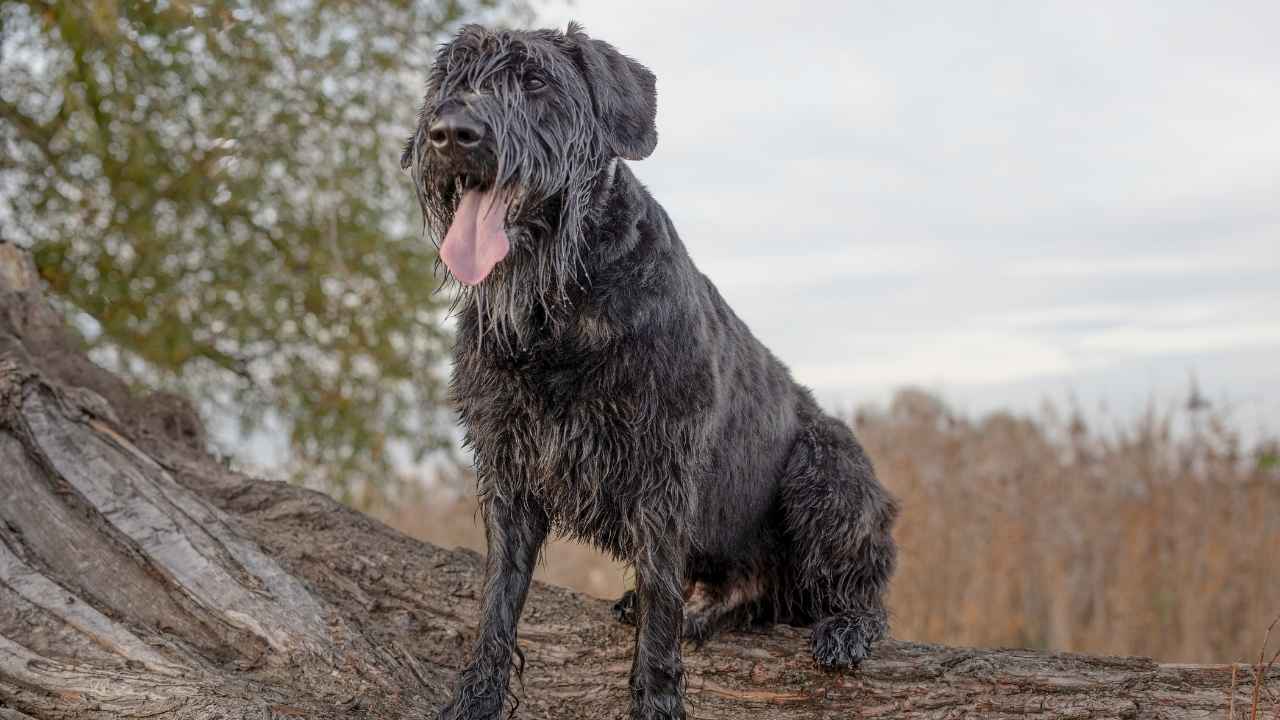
(455, 130)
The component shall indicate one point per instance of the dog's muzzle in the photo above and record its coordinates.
(456, 132)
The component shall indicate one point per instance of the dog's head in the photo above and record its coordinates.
(515, 131)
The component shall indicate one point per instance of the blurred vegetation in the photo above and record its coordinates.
(216, 185)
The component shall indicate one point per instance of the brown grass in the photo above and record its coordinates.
(1040, 532)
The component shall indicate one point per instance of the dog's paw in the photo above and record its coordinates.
(649, 715)
(669, 707)
(698, 629)
(842, 642)
(625, 609)
(700, 626)
(473, 703)
(450, 712)
(456, 711)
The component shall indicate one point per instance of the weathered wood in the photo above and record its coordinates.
(139, 577)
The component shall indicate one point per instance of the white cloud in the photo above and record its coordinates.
(1151, 341)
(805, 267)
(980, 194)
(976, 357)
(1179, 264)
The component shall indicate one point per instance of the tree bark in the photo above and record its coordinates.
(142, 578)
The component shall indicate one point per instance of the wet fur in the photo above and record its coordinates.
(611, 395)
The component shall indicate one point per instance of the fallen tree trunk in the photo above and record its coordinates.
(140, 577)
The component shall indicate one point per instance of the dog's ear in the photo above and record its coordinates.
(623, 94)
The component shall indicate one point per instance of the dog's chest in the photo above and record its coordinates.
(568, 436)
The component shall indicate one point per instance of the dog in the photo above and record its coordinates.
(610, 394)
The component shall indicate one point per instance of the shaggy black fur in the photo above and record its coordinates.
(610, 394)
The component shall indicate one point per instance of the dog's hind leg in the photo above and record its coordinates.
(838, 520)
(708, 609)
(625, 608)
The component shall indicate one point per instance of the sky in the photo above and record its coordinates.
(1000, 202)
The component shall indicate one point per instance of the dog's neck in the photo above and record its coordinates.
(604, 183)
(608, 227)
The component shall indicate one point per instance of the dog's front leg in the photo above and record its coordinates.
(657, 671)
(515, 530)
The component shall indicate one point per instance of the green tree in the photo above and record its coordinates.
(216, 184)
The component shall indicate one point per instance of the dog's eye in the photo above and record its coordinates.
(534, 84)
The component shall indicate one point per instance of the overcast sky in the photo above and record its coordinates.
(1000, 201)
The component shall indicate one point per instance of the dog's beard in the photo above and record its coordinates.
(547, 174)
(528, 293)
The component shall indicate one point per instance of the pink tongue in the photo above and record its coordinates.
(477, 239)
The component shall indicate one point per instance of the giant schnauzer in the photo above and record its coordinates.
(607, 390)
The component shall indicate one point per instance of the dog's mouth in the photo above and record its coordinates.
(476, 240)
(467, 181)
(482, 213)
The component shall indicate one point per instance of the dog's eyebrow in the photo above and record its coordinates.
(532, 68)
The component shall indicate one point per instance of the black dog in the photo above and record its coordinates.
(608, 391)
